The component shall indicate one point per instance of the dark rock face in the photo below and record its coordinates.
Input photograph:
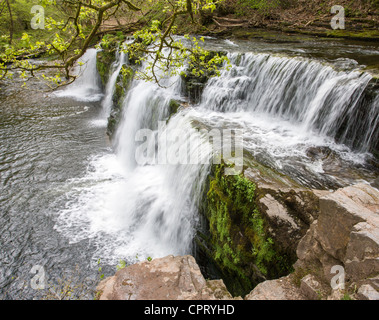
(193, 86)
(122, 86)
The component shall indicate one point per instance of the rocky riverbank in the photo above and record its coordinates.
(343, 243)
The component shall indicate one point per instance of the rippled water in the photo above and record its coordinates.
(44, 143)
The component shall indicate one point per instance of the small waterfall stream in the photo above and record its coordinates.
(87, 86)
(107, 102)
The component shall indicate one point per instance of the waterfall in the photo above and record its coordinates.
(87, 86)
(311, 95)
(163, 213)
(121, 59)
(131, 204)
(128, 206)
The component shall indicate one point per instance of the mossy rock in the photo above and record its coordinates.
(111, 125)
(193, 85)
(105, 58)
(123, 83)
(239, 242)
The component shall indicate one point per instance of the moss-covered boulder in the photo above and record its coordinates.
(194, 79)
(105, 58)
(252, 228)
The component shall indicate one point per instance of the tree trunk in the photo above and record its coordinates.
(11, 22)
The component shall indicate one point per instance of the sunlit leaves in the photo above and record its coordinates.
(157, 46)
(165, 54)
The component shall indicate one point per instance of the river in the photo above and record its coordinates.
(73, 201)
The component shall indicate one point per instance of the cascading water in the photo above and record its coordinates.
(87, 86)
(288, 105)
(129, 204)
(133, 206)
(308, 93)
(107, 102)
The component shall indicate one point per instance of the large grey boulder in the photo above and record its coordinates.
(279, 289)
(346, 234)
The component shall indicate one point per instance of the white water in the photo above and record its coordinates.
(295, 89)
(288, 105)
(284, 107)
(87, 86)
(121, 59)
(127, 209)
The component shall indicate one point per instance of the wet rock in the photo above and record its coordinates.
(375, 184)
(316, 153)
(341, 211)
(104, 60)
(310, 287)
(123, 83)
(279, 289)
(275, 210)
(168, 278)
(367, 292)
(346, 234)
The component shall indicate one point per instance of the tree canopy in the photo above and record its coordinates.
(70, 27)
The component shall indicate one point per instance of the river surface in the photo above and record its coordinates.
(71, 201)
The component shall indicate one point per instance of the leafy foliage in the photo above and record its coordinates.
(68, 35)
(239, 233)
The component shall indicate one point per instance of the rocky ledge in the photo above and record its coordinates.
(168, 278)
(338, 258)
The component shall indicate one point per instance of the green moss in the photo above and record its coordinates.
(364, 35)
(122, 85)
(173, 106)
(197, 75)
(241, 245)
(104, 60)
